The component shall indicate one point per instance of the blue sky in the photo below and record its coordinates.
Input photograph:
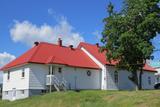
(84, 15)
(82, 18)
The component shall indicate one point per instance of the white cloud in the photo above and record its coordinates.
(4, 59)
(27, 32)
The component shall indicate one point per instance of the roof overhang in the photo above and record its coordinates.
(20, 65)
(155, 71)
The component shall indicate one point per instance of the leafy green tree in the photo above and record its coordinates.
(127, 35)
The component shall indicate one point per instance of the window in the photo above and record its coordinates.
(60, 70)
(8, 76)
(149, 80)
(89, 73)
(6, 92)
(43, 91)
(14, 92)
(51, 70)
(22, 91)
(116, 77)
(157, 79)
(23, 73)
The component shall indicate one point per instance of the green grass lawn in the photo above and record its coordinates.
(90, 99)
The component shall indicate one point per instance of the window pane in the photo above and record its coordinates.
(116, 77)
(8, 77)
(23, 74)
(52, 70)
(149, 80)
(22, 91)
(59, 70)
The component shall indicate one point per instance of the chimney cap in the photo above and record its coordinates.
(71, 46)
(59, 41)
(97, 44)
(36, 43)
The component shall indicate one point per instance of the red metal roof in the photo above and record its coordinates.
(94, 50)
(46, 53)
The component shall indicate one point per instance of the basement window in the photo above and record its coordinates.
(6, 92)
(43, 91)
(22, 91)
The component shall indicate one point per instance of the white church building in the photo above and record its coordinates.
(47, 67)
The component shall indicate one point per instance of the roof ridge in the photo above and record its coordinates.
(47, 43)
(55, 44)
(34, 53)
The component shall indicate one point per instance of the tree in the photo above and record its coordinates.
(127, 35)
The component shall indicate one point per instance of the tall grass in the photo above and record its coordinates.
(90, 99)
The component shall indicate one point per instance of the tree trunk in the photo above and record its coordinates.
(134, 79)
(137, 80)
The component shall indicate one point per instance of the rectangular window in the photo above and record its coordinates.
(149, 80)
(43, 91)
(116, 77)
(51, 70)
(8, 75)
(6, 92)
(157, 79)
(60, 70)
(23, 73)
(22, 91)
